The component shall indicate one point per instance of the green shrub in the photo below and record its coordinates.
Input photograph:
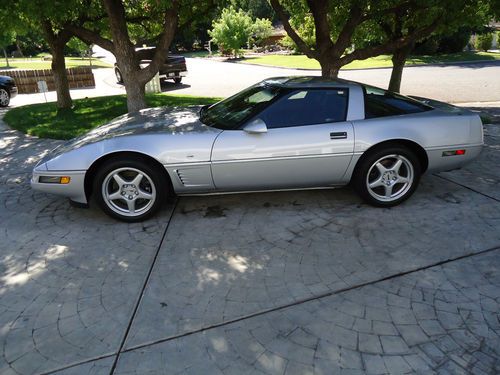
(232, 30)
(428, 46)
(483, 42)
(455, 42)
(261, 30)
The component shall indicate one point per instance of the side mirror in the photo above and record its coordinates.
(203, 109)
(256, 126)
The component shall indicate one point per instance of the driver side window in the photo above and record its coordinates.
(307, 107)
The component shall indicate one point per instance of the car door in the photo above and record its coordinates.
(308, 143)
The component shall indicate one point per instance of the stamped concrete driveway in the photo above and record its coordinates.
(310, 282)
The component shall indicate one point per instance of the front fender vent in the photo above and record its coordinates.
(182, 177)
(195, 176)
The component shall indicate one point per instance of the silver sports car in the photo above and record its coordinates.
(282, 133)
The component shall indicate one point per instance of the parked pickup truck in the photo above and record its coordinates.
(174, 67)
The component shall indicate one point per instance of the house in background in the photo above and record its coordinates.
(276, 36)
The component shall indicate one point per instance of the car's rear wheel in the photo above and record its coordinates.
(387, 176)
(4, 98)
(130, 189)
(177, 80)
(118, 75)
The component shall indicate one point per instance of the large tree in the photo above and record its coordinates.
(48, 17)
(57, 40)
(110, 27)
(453, 15)
(340, 24)
(6, 39)
(7, 34)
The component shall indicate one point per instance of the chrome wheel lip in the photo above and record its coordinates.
(4, 98)
(106, 195)
(391, 178)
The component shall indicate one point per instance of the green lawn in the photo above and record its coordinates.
(203, 53)
(38, 63)
(43, 120)
(301, 61)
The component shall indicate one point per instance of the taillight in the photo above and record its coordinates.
(454, 152)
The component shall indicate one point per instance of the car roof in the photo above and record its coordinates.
(309, 82)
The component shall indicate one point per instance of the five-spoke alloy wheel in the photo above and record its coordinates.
(130, 190)
(386, 177)
(4, 98)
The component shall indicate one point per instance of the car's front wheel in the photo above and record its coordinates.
(387, 176)
(4, 98)
(130, 190)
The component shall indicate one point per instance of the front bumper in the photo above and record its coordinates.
(74, 190)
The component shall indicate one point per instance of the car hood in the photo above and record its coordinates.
(153, 120)
(173, 121)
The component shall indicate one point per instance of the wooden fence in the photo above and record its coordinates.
(26, 80)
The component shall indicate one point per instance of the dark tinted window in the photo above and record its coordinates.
(307, 107)
(380, 103)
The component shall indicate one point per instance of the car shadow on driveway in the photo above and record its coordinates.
(167, 85)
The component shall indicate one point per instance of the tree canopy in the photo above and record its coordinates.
(338, 32)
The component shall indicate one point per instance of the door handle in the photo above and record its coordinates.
(338, 135)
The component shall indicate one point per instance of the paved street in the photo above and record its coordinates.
(310, 282)
(475, 82)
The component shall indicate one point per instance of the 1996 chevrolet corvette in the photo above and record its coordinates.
(282, 133)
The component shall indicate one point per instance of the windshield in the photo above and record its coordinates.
(232, 112)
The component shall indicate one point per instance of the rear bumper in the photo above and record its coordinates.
(13, 91)
(171, 75)
(74, 190)
(440, 163)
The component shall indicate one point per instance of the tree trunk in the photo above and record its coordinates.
(134, 86)
(134, 77)
(6, 58)
(329, 70)
(60, 77)
(398, 63)
(136, 95)
(18, 48)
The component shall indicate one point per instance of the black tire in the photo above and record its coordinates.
(4, 97)
(154, 182)
(118, 74)
(388, 188)
(177, 80)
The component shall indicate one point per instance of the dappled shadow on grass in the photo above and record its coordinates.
(451, 57)
(381, 61)
(44, 120)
